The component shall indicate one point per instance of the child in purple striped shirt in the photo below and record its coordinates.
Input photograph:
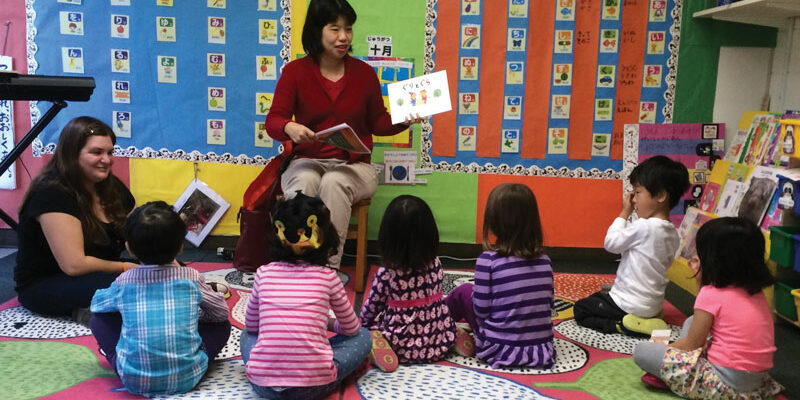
(509, 306)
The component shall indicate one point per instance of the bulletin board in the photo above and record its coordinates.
(546, 87)
(189, 80)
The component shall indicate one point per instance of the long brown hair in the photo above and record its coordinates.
(512, 216)
(64, 172)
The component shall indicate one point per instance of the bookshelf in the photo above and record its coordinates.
(772, 13)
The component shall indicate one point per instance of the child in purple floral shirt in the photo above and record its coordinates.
(405, 312)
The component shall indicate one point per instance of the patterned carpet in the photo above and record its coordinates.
(55, 358)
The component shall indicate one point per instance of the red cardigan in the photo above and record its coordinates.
(300, 93)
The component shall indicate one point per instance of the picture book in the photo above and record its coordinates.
(729, 199)
(738, 142)
(693, 220)
(425, 95)
(708, 202)
(343, 137)
(761, 186)
(773, 214)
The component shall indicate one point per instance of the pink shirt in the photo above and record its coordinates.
(289, 309)
(743, 331)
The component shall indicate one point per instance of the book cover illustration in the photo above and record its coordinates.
(343, 137)
(688, 231)
(425, 95)
(729, 199)
(761, 185)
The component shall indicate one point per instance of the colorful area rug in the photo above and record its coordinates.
(55, 358)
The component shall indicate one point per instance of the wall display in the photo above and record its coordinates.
(569, 76)
(697, 146)
(178, 79)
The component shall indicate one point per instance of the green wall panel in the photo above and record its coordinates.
(452, 197)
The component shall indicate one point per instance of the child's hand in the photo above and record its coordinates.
(627, 205)
(331, 321)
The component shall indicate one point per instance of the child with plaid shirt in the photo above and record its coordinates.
(159, 324)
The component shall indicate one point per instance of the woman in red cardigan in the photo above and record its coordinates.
(323, 89)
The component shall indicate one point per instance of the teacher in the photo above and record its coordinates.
(323, 89)
(70, 223)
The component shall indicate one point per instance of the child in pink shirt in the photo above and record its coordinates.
(285, 348)
(731, 307)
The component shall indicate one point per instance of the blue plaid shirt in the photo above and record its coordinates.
(159, 350)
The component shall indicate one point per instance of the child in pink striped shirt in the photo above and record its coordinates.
(285, 348)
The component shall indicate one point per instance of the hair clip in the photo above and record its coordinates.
(304, 243)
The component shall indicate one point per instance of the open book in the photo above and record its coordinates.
(343, 137)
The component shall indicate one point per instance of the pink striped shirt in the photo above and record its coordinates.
(289, 309)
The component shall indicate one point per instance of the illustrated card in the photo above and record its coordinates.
(71, 22)
(468, 103)
(267, 31)
(216, 99)
(121, 123)
(265, 68)
(262, 139)
(469, 68)
(72, 60)
(167, 69)
(120, 61)
(467, 138)
(165, 29)
(515, 72)
(120, 26)
(215, 131)
(557, 141)
(216, 64)
(216, 30)
(510, 141)
(120, 92)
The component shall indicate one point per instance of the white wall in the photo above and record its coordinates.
(785, 78)
(743, 78)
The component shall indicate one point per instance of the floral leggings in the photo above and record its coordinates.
(690, 374)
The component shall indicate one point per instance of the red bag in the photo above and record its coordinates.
(255, 234)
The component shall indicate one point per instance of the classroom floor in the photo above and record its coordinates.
(787, 336)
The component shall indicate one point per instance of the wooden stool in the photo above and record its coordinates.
(358, 231)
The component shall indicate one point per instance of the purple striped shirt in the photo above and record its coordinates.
(512, 300)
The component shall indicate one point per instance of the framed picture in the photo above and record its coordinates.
(200, 208)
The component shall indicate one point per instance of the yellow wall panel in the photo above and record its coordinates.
(153, 179)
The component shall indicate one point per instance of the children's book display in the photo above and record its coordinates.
(770, 140)
(752, 181)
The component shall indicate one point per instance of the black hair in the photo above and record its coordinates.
(155, 233)
(294, 215)
(512, 216)
(661, 174)
(321, 13)
(408, 238)
(731, 253)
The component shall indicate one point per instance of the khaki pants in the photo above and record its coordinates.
(338, 184)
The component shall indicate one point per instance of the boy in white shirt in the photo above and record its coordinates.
(648, 245)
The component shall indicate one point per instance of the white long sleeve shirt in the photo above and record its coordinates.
(648, 247)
